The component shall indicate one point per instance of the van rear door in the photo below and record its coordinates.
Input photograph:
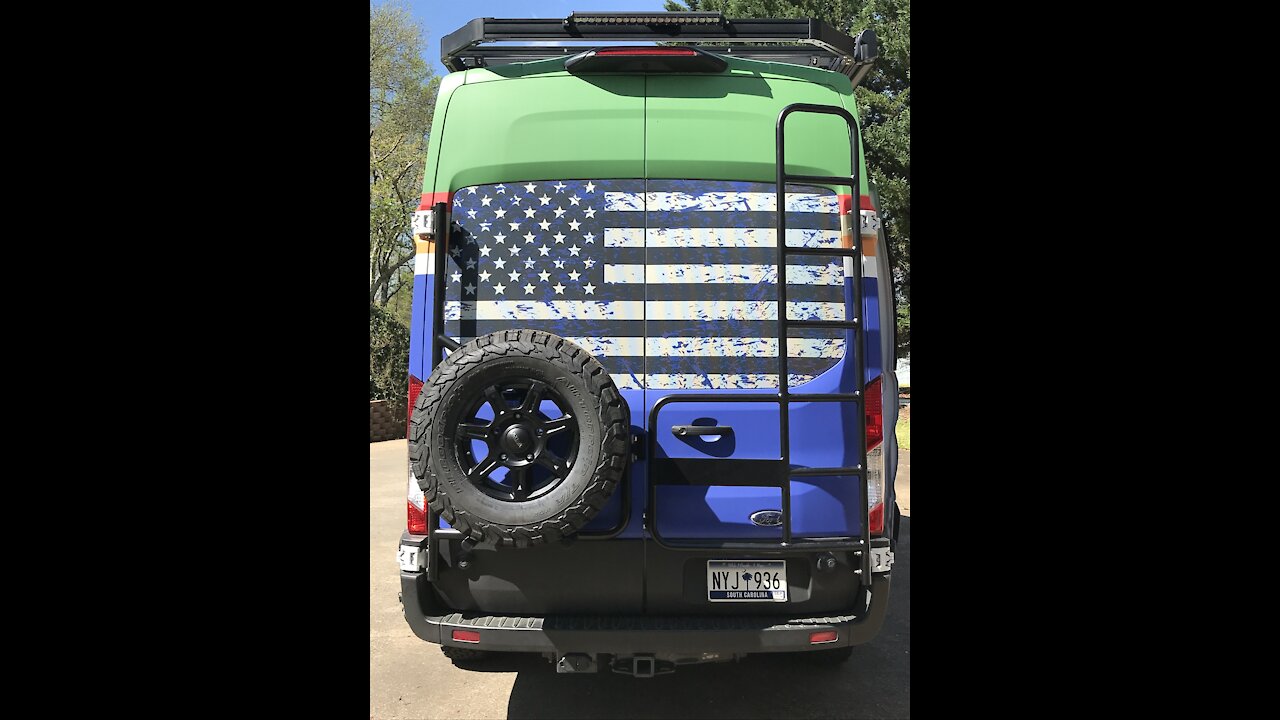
(516, 149)
(717, 471)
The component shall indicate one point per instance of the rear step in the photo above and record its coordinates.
(640, 622)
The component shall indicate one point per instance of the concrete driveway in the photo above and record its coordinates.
(409, 678)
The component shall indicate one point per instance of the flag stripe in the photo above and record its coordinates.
(578, 327)
(719, 202)
(720, 381)
(713, 364)
(624, 274)
(624, 237)
(708, 364)
(721, 237)
(764, 292)
(634, 310)
(705, 347)
(699, 219)
(706, 382)
(713, 256)
(741, 310)
(725, 273)
(539, 310)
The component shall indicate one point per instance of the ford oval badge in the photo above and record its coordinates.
(767, 518)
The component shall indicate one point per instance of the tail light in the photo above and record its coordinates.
(415, 387)
(876, 470)
(417, 524)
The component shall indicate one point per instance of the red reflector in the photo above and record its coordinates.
(875, 413)
(415, 387)
(877, 518)
(822, 637)
(638, 51)
(417, 521)
(846, 204)
(466, 636)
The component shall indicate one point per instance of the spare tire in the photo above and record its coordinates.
(519, 437)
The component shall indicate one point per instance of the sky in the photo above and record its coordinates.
(441, 17)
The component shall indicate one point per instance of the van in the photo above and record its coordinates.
(651, 372)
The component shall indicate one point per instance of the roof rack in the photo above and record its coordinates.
(801, 41)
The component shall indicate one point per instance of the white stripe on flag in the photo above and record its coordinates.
(741, 310)
(614, 201)
(735, 237)
(628, 382)
(553, 310)
(706, 347)
(718, 381)
(727, 273)
(611, 346)
(742, 347)
(637, 310)
(623, 237)
(624, 274)
(720, 201)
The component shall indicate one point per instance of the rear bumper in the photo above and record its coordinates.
(631, 635)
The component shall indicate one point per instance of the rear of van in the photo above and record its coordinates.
(627, 199)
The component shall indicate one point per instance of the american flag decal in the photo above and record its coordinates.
(669, 283)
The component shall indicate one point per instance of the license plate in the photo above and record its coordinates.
(747, 580)
(411, 558)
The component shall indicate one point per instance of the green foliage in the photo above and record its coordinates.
(884, 106)
(388, 361)
(402, 91)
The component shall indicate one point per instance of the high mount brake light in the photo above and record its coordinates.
(645, 59)
(647, 51)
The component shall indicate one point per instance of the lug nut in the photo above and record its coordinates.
(503, 456)
(529, 456)
(539, 431)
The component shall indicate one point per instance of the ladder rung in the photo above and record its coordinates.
(845, 324)
(842, 252)
(823, 179)
(855, 470)
(826, 397)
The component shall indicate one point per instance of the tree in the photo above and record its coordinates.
(884, 107)
(388, 362)
(402, 91)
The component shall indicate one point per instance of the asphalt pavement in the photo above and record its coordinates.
(409, 678)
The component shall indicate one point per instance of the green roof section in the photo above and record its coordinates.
(534, 120)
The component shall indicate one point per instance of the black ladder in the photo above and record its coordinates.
(780, 472)
(852, 325)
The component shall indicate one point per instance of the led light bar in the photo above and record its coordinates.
(639, 18)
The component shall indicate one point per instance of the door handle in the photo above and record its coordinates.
(685, 430)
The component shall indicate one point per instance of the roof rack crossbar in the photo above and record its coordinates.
(476, 44)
